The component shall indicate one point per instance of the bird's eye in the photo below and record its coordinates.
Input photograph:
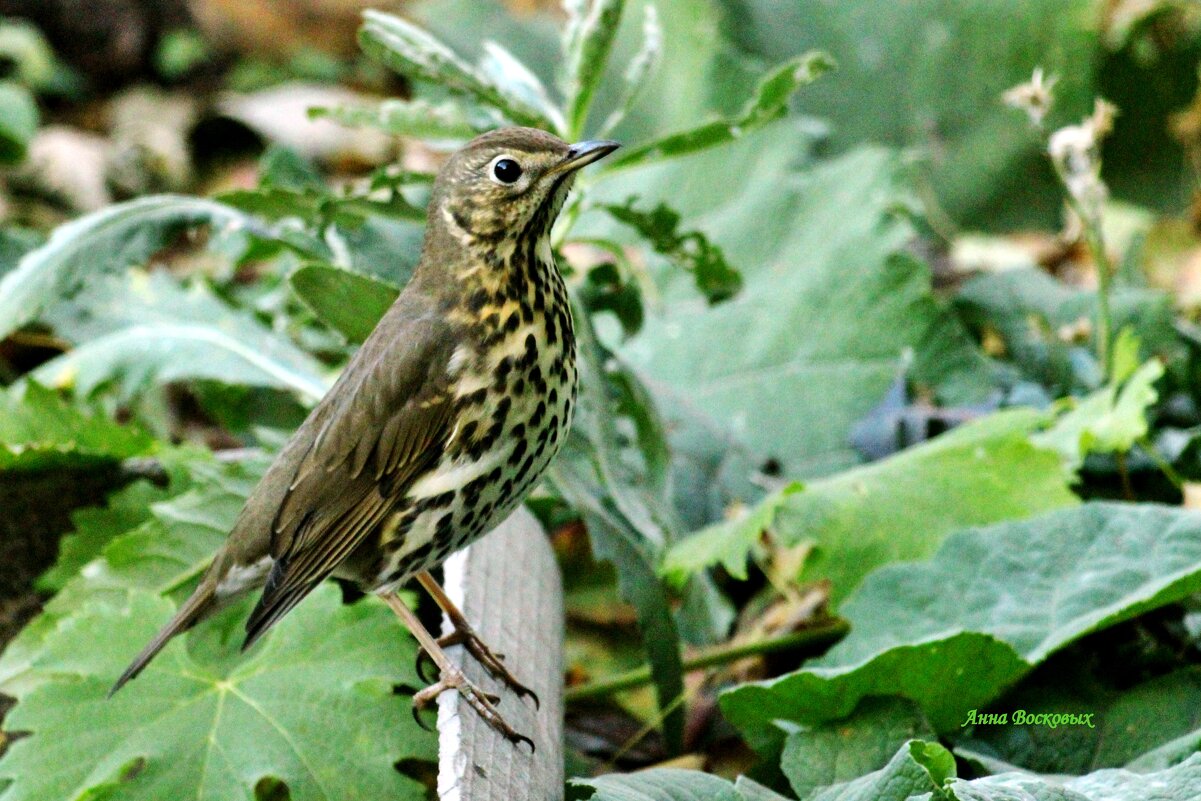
(507, 171)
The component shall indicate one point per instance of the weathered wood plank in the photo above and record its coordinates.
(508, 586)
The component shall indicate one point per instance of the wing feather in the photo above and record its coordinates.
(383, 423)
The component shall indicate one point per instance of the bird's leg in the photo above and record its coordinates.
(451, 677)
(465, 635)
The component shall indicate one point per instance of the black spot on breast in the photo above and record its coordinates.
(527, 314)
(513, 321)
(518, 452)
(474, 398)
(536, 380)
(519, 387)
(539, 413)
(531, 351)
(478, 300)
(518, 431)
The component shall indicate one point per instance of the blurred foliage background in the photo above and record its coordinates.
(889, 328)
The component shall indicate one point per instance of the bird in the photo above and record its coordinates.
(439, 425)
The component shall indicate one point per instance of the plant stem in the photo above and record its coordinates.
(1096, 243)
(812, 641)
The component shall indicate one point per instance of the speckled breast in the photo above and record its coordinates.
(514, 383)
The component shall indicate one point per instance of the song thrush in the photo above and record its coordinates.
(438, 427)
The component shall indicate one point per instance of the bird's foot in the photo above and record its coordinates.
(483, 703)
(492, 662)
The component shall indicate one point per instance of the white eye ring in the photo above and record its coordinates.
(498, 166)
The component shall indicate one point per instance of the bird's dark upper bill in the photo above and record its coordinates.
(584, 153)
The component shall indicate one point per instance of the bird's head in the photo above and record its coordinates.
(508, 183)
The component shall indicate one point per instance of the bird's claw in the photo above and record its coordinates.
(491, 661)
(483, 703)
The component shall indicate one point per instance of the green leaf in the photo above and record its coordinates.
(828, 309)
(903, 507)
(690, 250)
(639, 69)
(660, 784)
(348, 302)
(1111, 420)
(39, 431)
(96, 527)
(728, 543)
(105, 242)
(146, 329)
(953, 632)
(898, 509)
(416, 118)
(769, 103)
(164, 554)
(18, 121)
(1174, 784)
(838, 752)
(213, 727)
(414, 53)
(587, 39)
(1126, 724)
(918, 767)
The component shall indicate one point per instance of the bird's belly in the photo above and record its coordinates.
(500, 448)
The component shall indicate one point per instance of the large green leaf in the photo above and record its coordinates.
(665, 784)
(139, 329)
(903, 507)
(913, 85)
(104, 242)
(955, 631)
(843, 750)
(40, 430)
(313, 708)
(1178, 783)
(351, 303)
(95, 527)
(164, 554)
(829, 305)
(897, 509)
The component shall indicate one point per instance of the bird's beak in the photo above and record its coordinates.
(581, 154)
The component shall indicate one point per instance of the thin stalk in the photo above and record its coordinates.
(1096, 243)
(810, 640)
(1163, 464)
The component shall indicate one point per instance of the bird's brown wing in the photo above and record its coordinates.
(384, 422)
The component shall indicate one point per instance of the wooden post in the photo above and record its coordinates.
(508, 586)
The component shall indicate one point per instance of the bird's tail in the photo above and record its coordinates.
(196, 607)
